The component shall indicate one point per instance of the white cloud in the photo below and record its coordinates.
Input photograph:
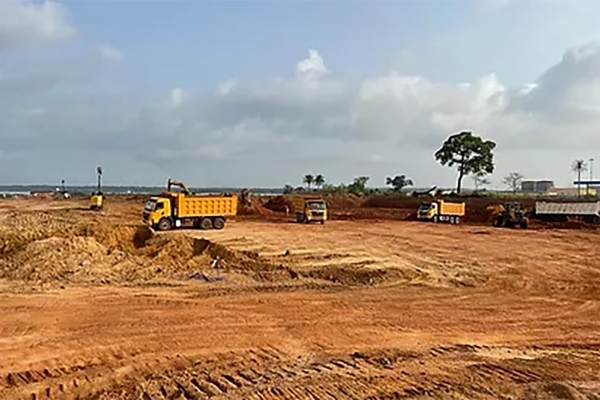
(176, 97)
(110, 53)
(23, 23)
(264, 132)
(225, 88)
(312, 67)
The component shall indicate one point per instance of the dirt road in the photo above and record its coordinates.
(372, 310)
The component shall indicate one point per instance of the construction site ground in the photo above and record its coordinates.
(92, 307)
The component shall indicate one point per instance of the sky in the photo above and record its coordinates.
(260, 93)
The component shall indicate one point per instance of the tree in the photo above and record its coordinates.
(319, 180)
(398, 182)
(513, 181)
(309, 180)
(359, 185)
(288, 189)
(471, 154)
(480, 180)
(579, 166)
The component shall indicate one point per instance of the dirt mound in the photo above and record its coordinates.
(371, 213)
(39, 248)
(343, 201)
(279, 203)
(255, 209)
(392, 201)
(357, 276)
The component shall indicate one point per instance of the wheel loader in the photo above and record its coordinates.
(511, 215)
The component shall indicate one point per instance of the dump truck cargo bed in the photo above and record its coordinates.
(206, 206)
(457, 209)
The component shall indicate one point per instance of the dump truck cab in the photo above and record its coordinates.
(427, 210)
(157, 208)
(441, 211)
(310, 210)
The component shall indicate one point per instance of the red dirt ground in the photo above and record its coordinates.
(352, 309)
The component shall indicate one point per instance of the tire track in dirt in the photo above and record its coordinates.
(267, 373)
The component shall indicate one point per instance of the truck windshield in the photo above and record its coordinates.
(149, 205)
(316, 205)
(425, 206)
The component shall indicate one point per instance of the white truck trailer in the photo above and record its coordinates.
(561, 212)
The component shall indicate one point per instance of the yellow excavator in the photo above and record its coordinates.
(96, 199)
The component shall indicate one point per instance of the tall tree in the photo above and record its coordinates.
(309, 180)
(579, 166)
(359, 185)
(319, 180)
(398, 182)
(480, 180)
(471, 154)
(513, 181)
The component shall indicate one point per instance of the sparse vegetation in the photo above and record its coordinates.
(398, 182)
(308, 180)
(513, 181)
(359, 186)
(579, 166)
(480, 180)
(319, 181)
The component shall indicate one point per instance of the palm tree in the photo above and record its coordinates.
(579, 166)
(319, 181)
(309, 180)
(398, 182)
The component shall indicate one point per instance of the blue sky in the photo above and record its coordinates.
(199, 90)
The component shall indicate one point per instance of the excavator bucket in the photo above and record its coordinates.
(142, 234)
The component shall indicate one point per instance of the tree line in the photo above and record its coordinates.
(471, 155)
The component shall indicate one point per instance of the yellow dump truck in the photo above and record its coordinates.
(441, 211)
(183, 209)
(310, 209)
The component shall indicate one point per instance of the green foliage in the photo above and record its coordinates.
(359, 185)
(398, 182)
(288, 189)
(319, 180)
(471, 155)
(309, 179)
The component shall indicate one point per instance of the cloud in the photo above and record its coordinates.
(110, 53)
(24, 23)
(263, 132)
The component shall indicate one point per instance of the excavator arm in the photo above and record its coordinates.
(181, 185)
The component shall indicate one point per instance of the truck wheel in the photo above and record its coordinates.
(435, 219)
(218, 223)
(322, 222)
(524, 224)
(165, 224)
(206, 224)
